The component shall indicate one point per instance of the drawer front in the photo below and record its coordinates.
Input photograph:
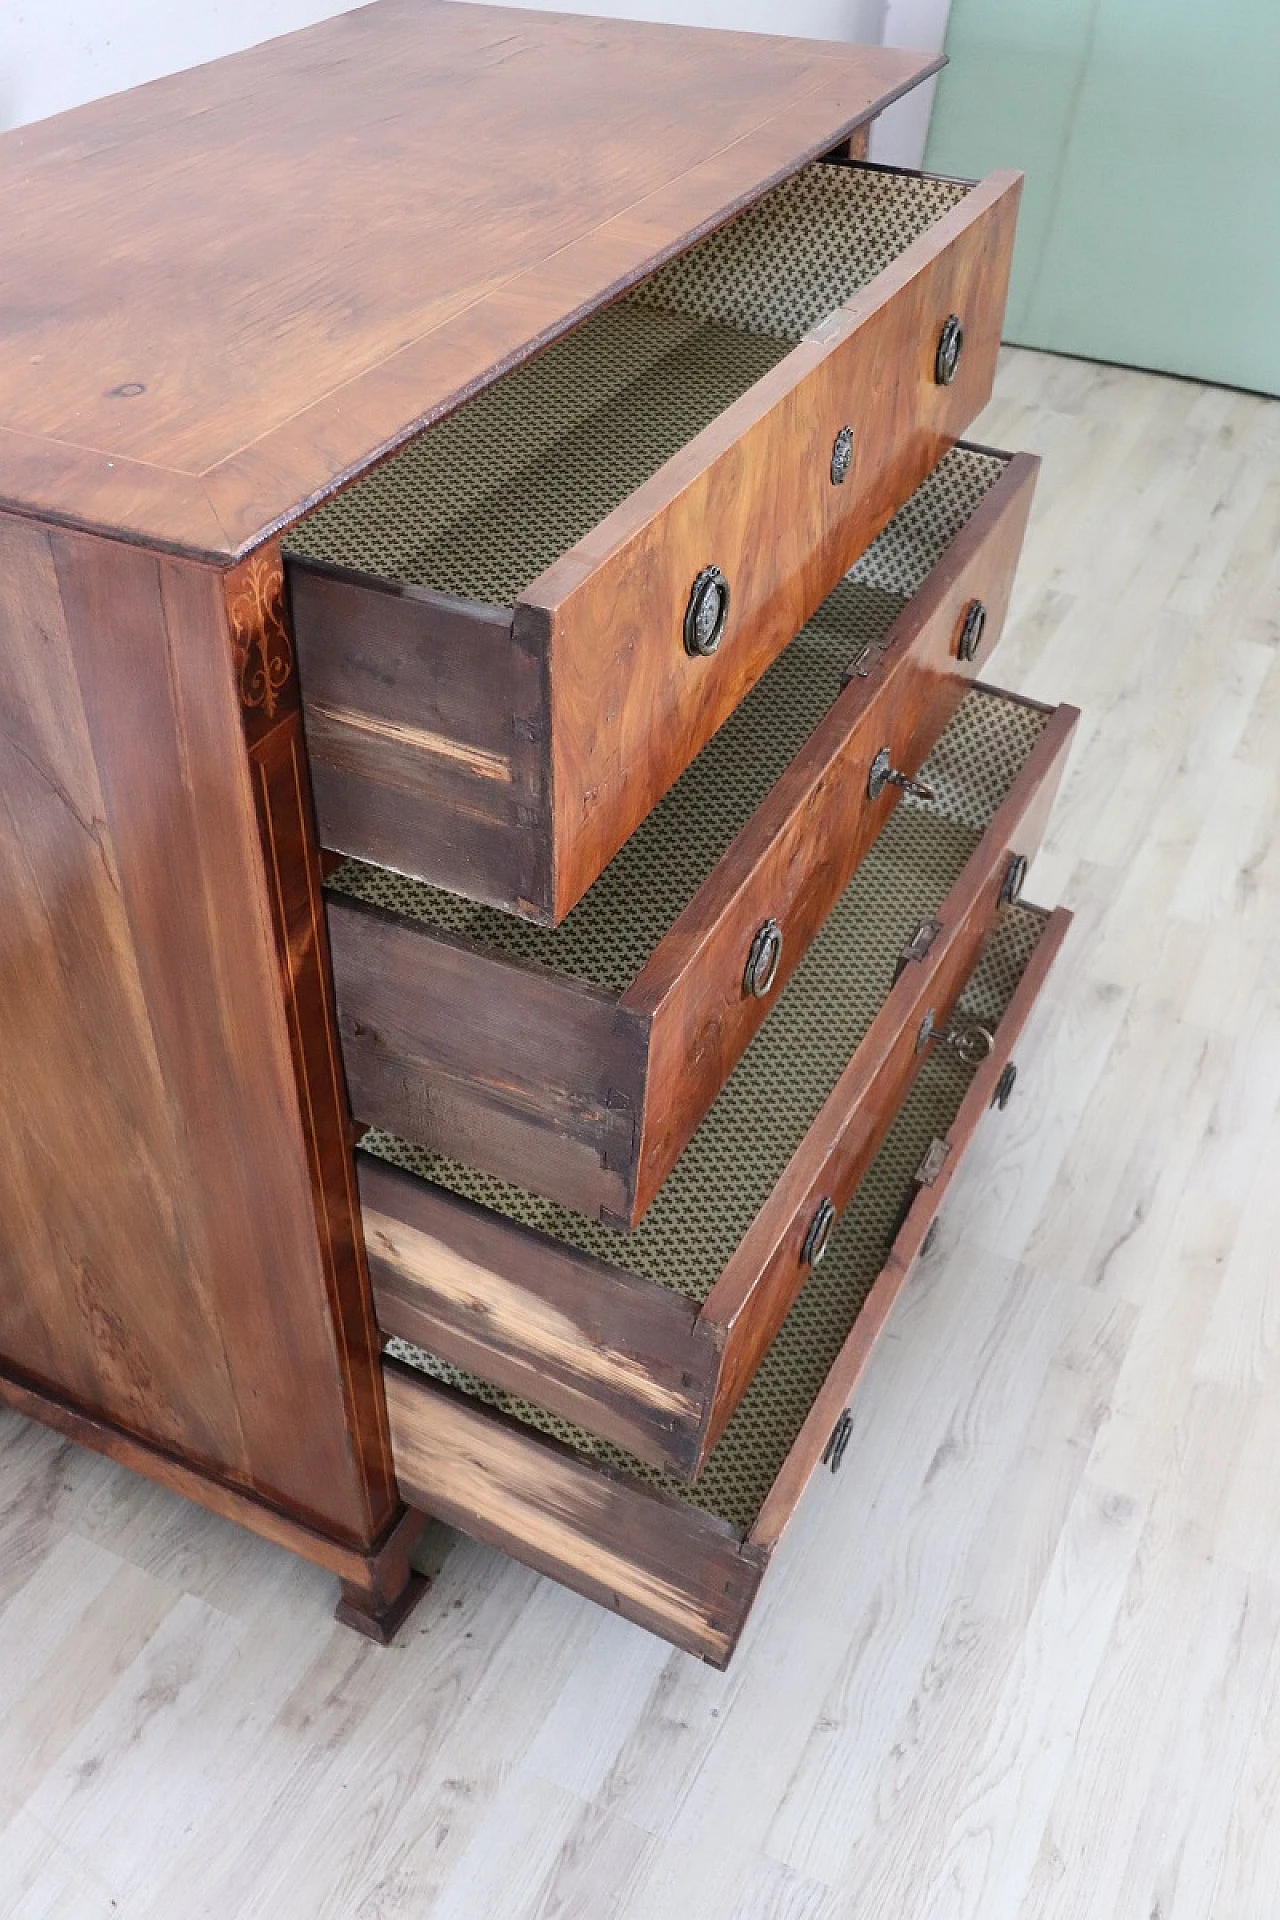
(635, 1352)
(796, 857)
(757, 1288)
(684, 1571)
(588, 1097)
(507, 752)
(752, 496)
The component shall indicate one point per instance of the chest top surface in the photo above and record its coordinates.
(231, 289)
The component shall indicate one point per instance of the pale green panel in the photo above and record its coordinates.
(1150, 135)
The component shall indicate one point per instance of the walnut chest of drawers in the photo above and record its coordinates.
(512, 862)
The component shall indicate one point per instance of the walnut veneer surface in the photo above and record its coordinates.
(237, 285)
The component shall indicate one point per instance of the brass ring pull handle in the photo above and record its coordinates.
(819, 1233)
(884, 774)
(706, 613)
(838, 1445)
(763, 960)
(973, 1042)
(970, 1041)
(946, 363)
(842, 456)
(972, 628)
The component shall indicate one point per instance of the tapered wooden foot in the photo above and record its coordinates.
(378, 1605)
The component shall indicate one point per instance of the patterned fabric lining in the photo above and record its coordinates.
(748, 1459)
(803, 250)
(482, 504)
(905, 554)
(613, 930)
(735, 1158)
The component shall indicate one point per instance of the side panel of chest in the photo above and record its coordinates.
(161, 1267)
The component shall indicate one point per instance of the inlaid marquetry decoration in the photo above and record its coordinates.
(260, 638)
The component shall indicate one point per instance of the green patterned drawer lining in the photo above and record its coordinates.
(735, 1158)
(481, 504)
(614, 928)
(748, 1459)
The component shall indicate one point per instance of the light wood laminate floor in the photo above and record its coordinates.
(1022, 1657)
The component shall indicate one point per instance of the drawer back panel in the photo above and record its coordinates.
(803, 250)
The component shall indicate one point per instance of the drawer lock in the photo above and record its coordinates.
(950, 346)
(815, 1240)
(838, 1445)
(970, 1041)
(917, 946)
(763, 960)
(842, 456)
(972, 628)
(1004, 1086)
(863, 661)
(884, 774)
(930, 1168)
(706, 613)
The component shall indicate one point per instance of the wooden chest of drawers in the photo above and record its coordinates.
(583, 569)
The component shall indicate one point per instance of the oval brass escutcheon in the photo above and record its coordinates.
(838, 1445)
(878, 778)
(1004, 1086)
(842, 456)
(972, 628)
(950, 346)
(705, 616)
(763, 960)
(816, 1239)
(1014, 876)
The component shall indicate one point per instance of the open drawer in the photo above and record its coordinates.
(516, 634)
(687, 1563)
(651, 1339)
(577, 1061)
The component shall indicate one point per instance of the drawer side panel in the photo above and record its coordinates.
(590, 1342)
(672, 1569)
(489, 1061)
(426, 733)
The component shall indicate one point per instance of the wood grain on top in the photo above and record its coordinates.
(229, 289)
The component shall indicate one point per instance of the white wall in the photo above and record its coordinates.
(898, 136)
(58, 53)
